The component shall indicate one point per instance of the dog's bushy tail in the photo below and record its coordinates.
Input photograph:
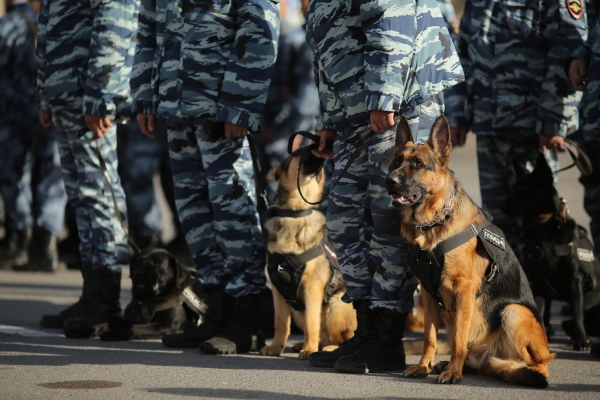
(415, 347)
(516, 372)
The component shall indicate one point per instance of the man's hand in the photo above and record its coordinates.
(458, 136)
(98, 125)
(45, 120)
(577, 73)
(148, 124)
(325, 149)
(381, 121)
(233, 131)
(551, 142)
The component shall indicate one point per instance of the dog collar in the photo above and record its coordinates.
(439, 218)
(287, 213)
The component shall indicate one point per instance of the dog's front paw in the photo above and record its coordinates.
(304, 353)
(449, 377)
(271, 351)
(581, 344)
(417, 371)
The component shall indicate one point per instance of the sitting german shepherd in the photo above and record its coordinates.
(467, 270)
(558, 255)
(302, 265)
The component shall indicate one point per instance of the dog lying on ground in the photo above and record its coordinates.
(467, 270)
(163, 301)
(558, 256)
(302, 265)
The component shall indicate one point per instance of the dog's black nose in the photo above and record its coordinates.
(390, 181)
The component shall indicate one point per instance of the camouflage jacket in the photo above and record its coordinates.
(514, 53)
(200, 60)
(589, 108)
(83, 54)
(378, 55)
(18, 104)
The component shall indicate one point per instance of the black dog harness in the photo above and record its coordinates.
(286, 270)
(427, 266)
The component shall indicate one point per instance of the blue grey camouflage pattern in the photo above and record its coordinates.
(216, 204)
(103, 241)
(140, 158)
(514, 55)
(360, 68)
(202, 60)
(83, 54)
(210, 60)
(83, 68)
(24, 154)
(590, 118)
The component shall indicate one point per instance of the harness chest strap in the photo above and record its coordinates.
(427, 266)
(286, 272)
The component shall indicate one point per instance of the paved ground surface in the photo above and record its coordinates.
(43, 364)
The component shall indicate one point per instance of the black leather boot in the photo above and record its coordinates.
(13, 251)
(106, 289)
(43, 252)
(82, 308)
(218, 310)
(242, 334)
(384, 351)
(365, 319)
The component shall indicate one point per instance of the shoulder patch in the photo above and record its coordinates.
(494, 239)
(575, 8)
(585, 255)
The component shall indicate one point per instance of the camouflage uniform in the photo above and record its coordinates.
(199, 61)
(514, 56)
(83, 69)
(29, 161)
(359, 69)
(589, 121)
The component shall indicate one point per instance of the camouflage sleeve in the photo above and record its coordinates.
(143, 64)
(248, 74)
(455, 98)
(584, 52)
(326, 96)
(390, 29)
(41, 55)
(565, 30)
(447, 10)
(108, 72)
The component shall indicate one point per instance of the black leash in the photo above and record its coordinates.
(580, 159)
(134, 246)
(303, 151)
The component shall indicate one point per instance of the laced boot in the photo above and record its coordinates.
(243, 333)
(105, 286)
(218, 309)
(384, 351)
(365, 319)
(43, 254)
(14, 248)
(79, 309)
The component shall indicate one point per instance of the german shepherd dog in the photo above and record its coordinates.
(482, 293)
(163, 301)
(558, 256)
(294, 226)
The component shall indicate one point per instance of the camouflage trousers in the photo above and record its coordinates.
(103, 241)
(363, 224)
(31, 182)
(591, 190)
(495, 158)
(216, 202)
(143, 155)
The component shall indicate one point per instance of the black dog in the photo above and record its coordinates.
(163, 300)
(558, 256)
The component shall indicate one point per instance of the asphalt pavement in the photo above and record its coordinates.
(37, 363)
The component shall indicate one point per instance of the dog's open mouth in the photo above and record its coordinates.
(405, 200)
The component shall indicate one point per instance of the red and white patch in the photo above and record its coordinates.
(575, 8)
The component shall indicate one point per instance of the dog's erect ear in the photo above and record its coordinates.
(403, 133)
(181, 275)
(542, 171)
(273, 174)
(439, 137)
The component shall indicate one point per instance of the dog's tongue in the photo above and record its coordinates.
(405, 200)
